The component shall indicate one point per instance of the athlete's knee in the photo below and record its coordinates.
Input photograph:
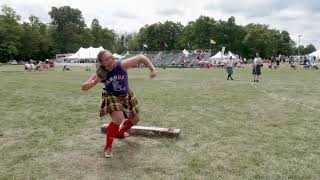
(117, 117)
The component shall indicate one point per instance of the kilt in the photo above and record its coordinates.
(256, 70)
(229, 70)
(126, 103)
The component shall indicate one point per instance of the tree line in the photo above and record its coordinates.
(67, 32)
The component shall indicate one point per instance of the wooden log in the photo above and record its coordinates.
(149, 131)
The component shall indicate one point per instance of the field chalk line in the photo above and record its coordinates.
(284, 99)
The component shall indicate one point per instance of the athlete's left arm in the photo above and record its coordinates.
(139, 59)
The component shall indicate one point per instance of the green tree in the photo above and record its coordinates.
(155, 35)
(310, 48)
(86, 38)
(36, 40)
(286, 44)
(120, 45)
(69, 27)
(133, 42)
(301, 50)
(68, 32)
(10, 33)
(230, 36)
(283, 43)
(102, 36)
(259, 39)
(198, 33)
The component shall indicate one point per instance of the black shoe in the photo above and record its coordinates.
(257, 81)
(231, 79)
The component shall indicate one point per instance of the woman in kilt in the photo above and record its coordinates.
(118, 99)
(256, 71)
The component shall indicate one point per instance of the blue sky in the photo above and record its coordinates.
(296, 16)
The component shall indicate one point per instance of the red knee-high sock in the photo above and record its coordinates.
(125, 127)
(112, 131)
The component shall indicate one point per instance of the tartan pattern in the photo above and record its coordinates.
(127, 103)
(256, 70)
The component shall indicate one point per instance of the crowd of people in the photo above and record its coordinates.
(198, 59)
(294, 61)
(33, 65)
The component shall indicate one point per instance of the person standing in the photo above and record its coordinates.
(256, 71)
(277, 63)
(229, 67)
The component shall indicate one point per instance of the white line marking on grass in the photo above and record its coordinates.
(284, 99)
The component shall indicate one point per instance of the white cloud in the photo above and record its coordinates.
(295, 16)
(124, 14)
(169, 12)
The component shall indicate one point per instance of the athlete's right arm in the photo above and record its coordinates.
(92, 81)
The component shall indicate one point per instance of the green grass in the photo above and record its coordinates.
(230, 130)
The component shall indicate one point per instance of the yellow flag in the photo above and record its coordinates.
(212, 41)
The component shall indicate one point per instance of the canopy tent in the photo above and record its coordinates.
(232, 55)
(86, 53)
(186, 53)
(217, 56)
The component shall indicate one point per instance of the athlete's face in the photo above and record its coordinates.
(107, 59)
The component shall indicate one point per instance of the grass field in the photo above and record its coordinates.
(230, 129)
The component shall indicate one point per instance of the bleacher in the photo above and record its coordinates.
(171, 58)
(164, 58)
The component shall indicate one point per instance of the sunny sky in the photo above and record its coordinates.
(296, 16)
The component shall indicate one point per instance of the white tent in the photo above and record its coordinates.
(186, 53)
(316, 53)
(217, 56)
(86, 53)
(232, 55)
(117, 56)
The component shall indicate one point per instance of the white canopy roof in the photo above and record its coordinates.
(232, 55)
(316, 53)
(217, 56)
(185, 52)
(86, 53)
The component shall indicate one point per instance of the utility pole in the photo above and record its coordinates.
(299, 45)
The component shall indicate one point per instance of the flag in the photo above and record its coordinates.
(212, 41)
(222, 51)
(145, 45)
(165, 45)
